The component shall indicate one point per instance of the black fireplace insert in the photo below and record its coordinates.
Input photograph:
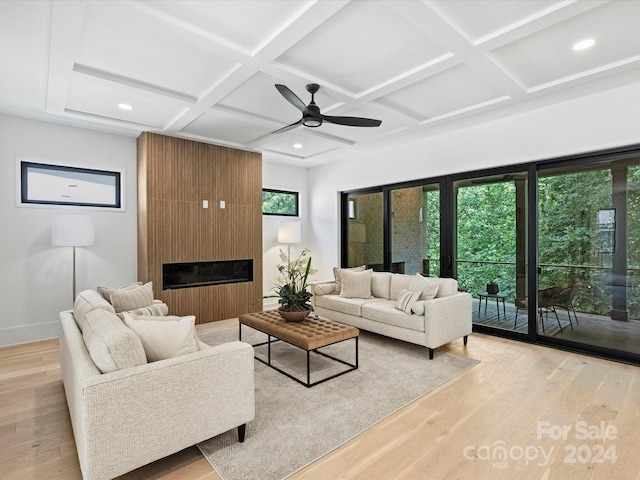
(199, 274)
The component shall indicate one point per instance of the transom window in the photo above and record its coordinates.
(280, 202)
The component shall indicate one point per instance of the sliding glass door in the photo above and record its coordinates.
(415, 230)
(589, 255)
(491, 248)
(549, 251)
(364, 230)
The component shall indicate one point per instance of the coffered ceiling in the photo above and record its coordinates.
(205, 70)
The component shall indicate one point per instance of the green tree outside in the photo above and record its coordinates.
(279, 203)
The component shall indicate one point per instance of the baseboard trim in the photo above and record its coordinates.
(29, 333)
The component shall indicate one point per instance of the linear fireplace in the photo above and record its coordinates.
(199, 274)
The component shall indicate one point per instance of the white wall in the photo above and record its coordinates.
(605, 120)
(294, 179)
(36, 277)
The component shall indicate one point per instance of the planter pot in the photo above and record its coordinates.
(492, 288)
(297, 316)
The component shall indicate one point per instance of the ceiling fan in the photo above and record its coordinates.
(311, 116)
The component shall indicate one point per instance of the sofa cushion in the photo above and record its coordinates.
(111, 345)
(86, 301)
(164, 337)
(337, 273)
(446, 287)
(350, 306)
(126, 299)
(356, 284)
(381, 284)
(426, 286)
(385, 311)
(399, 282)
(406, 299)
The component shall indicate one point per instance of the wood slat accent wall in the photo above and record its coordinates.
(174, 177)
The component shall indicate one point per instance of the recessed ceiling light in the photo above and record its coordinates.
(584, 44)
(297, 145)
(125, 106)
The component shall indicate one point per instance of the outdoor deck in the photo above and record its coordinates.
(591, 329)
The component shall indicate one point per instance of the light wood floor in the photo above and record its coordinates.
(447, 434)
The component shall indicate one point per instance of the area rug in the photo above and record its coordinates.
(295, 425)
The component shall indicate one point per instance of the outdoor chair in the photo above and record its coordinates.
(520, 303)
(565, 300)
(547, 301)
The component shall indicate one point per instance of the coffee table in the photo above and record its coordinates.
(309, 335)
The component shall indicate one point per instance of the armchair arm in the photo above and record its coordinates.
(138, 415)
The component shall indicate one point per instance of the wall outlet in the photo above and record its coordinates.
(205, 203)
(222, 204)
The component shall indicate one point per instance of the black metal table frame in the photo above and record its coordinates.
(500, 297)
(308, 383)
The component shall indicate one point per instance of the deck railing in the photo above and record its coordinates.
(594, 296)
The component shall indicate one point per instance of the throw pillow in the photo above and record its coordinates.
(111, 345)
(356, 284)
(428, 287)
(157, 309)
(106, 291)
(337, 273)
(132, 298)
(165, 337)
(324, 289)
(418, 307)
(406, 300)
(86, 301)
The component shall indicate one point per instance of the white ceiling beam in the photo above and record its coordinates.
(427, 17)
(553, 15)
(292, 30)
(66, 28)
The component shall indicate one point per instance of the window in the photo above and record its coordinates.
(48, 184)
(559, 239)
(279, 202)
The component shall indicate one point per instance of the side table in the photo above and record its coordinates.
(500, 297)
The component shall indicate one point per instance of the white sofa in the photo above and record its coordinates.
(430, 322)
(135, 415)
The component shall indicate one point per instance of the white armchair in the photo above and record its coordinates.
(125, 419)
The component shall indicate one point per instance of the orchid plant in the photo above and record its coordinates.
(294, 275)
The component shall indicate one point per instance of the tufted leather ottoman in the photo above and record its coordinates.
(309, 335)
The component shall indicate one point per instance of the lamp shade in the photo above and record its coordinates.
(72, 230)
(289, 232)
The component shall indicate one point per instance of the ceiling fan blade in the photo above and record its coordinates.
(353, 121)
(291, 97)
(289, 127)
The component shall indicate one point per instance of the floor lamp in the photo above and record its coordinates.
(289, 232)
(72, 230)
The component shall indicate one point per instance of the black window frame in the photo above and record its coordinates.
(25, 167)
(534, 168)
(288, 192)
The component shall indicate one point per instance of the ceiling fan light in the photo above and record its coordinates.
(312, 122)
